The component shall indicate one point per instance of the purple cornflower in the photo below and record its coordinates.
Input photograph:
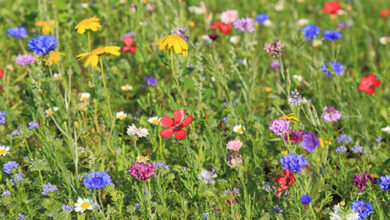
(151, 81)
(261, 18)
(274, 49)
(213, 36)
(142, 171)
(18, 177)
(293, 162)
(331, 35)
(357, 149)
(277, 209)
(66, 208)
(17, 32)
(5, 193)
(279, 126)
(244, 24)
(335, 67)
(16, 132)
(181, 32)
(360, 180)
(310, 31)
(275, 65)
(330, 114)
(47, 188)
(32, 125)
(341, 149)
(378, 139)
(295, 136)
(20, 216)
(384, 182)
(341, 25)
(305, 199)
(344, 139)
(136, 205)
(97, 180)
(363, 208)
(9, 166)
(2, 118)
(25, 59)
(309, 142)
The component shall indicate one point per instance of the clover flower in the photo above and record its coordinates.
(279, 126)
(142, 171)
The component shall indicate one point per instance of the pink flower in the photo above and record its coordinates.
(142, 171)
(234, 145)
(229, 16)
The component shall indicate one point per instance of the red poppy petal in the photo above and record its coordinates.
(1, 73)
(133, 49)
(167, 132)
(180, 134)
(178, 116)
(166, 121)
(281, 179)
(186, 122)
(125, 48)
(278, 194)
(128, 41)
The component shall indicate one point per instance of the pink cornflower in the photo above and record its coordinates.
(330, 114)
(234, 145)
(25, 59)
(229, 16)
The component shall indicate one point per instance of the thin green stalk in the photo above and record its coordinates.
(177, 82)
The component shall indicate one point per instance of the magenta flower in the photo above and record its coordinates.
(295, 136)
(142, 170)
(25, 59)
(245, 24)
(330, 114)
(360, 180)
(234, 145)
(279, 126)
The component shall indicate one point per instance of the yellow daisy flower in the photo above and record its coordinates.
(173, 41)
(54, 57)
(93, 56)
(88, 24)
(290, 117)
(323, 142)
(47, 26)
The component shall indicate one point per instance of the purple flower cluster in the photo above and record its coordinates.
(2, 118)
(32, 125)
(97, 180)
(294, 135)
(18, 178)
(181, 32)
(293, 162)
(357, 149)
(151, 81)
(9, 166)
(25, 59)
(279, 126)
(309, 142)
(48, 188)
(360, 180)
(344, 139)
(341, 149)
(330, 114)
(142, 170)
(245, 24)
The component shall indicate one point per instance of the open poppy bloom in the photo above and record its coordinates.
(332, 7)
(175, 126)
(224, 28)
(1, 73)
(369, 83)
(287, 180)
(130, 44)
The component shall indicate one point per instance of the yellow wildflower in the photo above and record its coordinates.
(192, 24)
(47, 26)
(142, 159)
(290, 117)
(342, 203)
(323, 142)
(54, 57)
(284, 153)
(88, 24)
(93, 56)
(173, 41)
(268, 89)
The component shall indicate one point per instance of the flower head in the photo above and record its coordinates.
(132, 130)
(330, 114)
(384, 40)
(261, 18)
(274, 49)
(309, 142)
(368, 84)
(363, 208)
(310, 31)
(235, 39)
(175, 126)
(151, 81)
(384, 182)
(275, 65)
(175, 42)
(287, 180)
(142, 171)
(207, 176)
(335, 67)
(42, 44)
(85, 96)
(84, 204)
(332, 7)
(48, 188)
(357, 149)
(121, 115)
(341, 149)
(93, 56)
(344, 139)
(360, 180)
(222, 27)
(25, 59)
(181, 32)
(17, 32)
(9, 166)
(47, 26)
(130, 44)
(97, 180)
(331, 35)
(229, 16)
(238, 129)
(305, 199)
(154, 120)
(234, 159)
(293, 162)
(126, 87)
(294, 135)
(88, 24)
(279, 126)
(4, 150)
(245, 24)
(234, 145)
(54, 57)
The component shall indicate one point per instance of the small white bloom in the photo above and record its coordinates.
(316, 43)
(50, 111)
(126, 87)
(84, 204)
(303, 22)
(4, 150)
(235, 39)
(279, 6)
(298, 78)
(386, 129)
(121, 115)
(57, 76)
(340, 12)
(132, 130)
(238, 129)
(205, 39)
(384, 40)
(207, 176)
(154, 120)
(84, 5)
(196, 10)
(84, 96)
(267, 23)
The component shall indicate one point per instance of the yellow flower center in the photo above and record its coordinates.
(3, 151)
(239, 130)
(284, 153)
(50, 112)
(155, 121)
(121, 117)
(85, 205)
(83, 98)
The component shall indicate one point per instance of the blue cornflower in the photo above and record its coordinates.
(32, 125)
(159, 164)
(357, 149)
(5, 193)
(16, 132)
(378, 139)
(293, 162)
(335, 67)
(66, 208)
(309, 142)
(236, 190)
(9, 166)
(261, 18)
(42, 44)
(332, 35)
(2, 118)
(47, 188)
(344, 139)
(17, 32)
(136, 205)
(18, 177)
(151, 81)
(20, 216)
(97, 180)
(341, 149)
(305, 199)
(50, 215)
(363, 208)
(384, 182)
(310, 31)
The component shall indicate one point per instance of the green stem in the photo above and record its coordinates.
(177, 82)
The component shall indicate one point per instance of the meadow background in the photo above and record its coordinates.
(225, 83)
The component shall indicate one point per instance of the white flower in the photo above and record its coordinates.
(386, 129)
(4, 150)
(154, 120)
(207, 177)
(316, 43)
(121, 115)
(84, 5)
(279, 6)
(384, 40)
(338, 214)
(352, 216)
(84, 96)
(126, 87)
(235, 39)
(196, 10)
(84, 204)
(267, 23)
(205, 39)
(298, 78)
(132, 130)
(50, 111)
(57, 76)
(340, 12)
(238, 129)
(303, 22)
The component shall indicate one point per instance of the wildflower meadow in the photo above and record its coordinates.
(184, 109)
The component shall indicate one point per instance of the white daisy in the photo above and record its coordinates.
(386, 129)
(154, 120)
(303, 22)
(235, 39)
(238, 129)
(196, 10)
(50, 111)
(384, 40)
(84, 204)
(121, 115)
(126, 88)
(132, 130)
(207, 176)
(268, 23)
(57, 76)
(4, 150)
(84, 96)
(298, 78)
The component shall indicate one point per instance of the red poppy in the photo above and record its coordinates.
(388, 10)
(130, 44)
(287, 180)
(175, 126)
(332, 7)
(383, 13)
(233, 200)
(369, 83)
(1, 73)
(224, 28)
